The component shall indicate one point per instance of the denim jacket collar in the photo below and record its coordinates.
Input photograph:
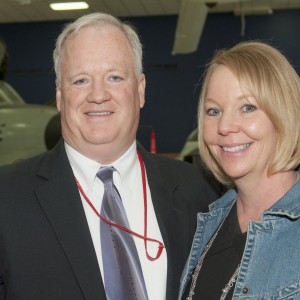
(288, 205)
(207, 223)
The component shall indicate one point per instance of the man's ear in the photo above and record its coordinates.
(141, 90)
(58, 98)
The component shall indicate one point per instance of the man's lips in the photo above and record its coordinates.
(99, 113)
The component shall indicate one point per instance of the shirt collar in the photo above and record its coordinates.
(288, 205)
(85, 169)
(126, 166)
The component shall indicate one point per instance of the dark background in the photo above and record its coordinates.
(173, 82)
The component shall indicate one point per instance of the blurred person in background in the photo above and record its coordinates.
(3, 59)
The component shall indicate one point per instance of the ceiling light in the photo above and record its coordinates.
(259, 10)
(69, 5)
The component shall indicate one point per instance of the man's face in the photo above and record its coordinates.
(100, 95)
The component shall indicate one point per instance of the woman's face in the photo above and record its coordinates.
(240, 136)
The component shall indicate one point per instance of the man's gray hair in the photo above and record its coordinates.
(97, 19)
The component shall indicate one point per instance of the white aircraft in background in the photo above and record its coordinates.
(25, 129)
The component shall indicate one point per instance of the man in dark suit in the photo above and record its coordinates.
(49, 222)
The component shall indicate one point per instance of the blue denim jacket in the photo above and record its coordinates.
(270, 267)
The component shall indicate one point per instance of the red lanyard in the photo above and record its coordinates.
(144, 237)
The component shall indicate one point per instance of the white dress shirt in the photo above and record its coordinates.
(128, 181)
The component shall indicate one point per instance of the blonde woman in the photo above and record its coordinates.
(247, 246)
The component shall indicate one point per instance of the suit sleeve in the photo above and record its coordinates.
(2, 290)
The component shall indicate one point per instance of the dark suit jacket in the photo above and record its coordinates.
(46, 250)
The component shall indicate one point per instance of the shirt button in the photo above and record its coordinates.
(245, 290)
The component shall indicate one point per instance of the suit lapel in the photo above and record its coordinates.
(162, 194)
(61, 202)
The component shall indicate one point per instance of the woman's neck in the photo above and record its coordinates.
(255, 196)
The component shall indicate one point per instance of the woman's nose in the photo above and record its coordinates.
(228, 123)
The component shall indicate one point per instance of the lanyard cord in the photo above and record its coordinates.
(144, 237)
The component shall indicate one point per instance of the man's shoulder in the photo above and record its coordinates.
(21, 165)
(194, 177)
(164, 161)
(30, 165)
(170, 165)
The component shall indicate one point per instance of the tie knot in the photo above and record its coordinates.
(105, 174)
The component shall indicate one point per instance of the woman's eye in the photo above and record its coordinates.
(212, 112)
(249, 108)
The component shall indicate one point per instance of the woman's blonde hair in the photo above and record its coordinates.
(272, 81)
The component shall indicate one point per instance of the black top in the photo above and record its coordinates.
(221, 260)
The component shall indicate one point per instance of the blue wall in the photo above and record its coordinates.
(173, 82)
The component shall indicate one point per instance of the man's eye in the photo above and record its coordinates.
(115, 78)
(212, 112)
(248, 108)
(80, 81)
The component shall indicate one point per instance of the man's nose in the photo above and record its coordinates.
(99, 92)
